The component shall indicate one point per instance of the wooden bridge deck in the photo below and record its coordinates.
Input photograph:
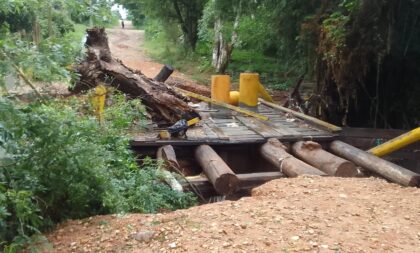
(221, 126)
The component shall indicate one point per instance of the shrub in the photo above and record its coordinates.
(57, 162)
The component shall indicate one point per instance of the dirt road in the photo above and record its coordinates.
(310, 214)
(126, 45)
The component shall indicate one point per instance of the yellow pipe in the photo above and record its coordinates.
(264, 94)
(396, 143)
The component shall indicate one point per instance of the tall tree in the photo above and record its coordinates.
(368, 67)
(186, 13)
(226, 21)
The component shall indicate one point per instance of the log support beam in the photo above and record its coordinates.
(313, 154)
(388, 170)
(168, 156)
(223, 179)
(275, 153)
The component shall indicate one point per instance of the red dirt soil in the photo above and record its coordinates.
(126, 44)
(306, 214)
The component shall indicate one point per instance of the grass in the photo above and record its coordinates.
(270, 69)
(197, 65)
(194, 65)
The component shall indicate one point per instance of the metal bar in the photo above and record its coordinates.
(396, 143)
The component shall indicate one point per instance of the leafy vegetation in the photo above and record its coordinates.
(351, 50)
(57, 162)
(43, 38)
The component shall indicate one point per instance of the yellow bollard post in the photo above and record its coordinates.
(98, 101)
(220, 88)
(396, 143)
(250, 88)
(249, 85)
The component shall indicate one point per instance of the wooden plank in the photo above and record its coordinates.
(222, 121)
(259, 127)
(284, 130)
(196, 133)
(235, 128)
(209, 132)
(305, 117)
(246, 181)
(220, 134)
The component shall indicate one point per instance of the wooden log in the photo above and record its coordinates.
(275, 153)
(246, 182)
(167, 154)
(164, 73)
(224, 180)
(164, 104)
(312, 153)
(373, 163)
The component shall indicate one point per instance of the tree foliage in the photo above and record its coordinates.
(36, 35)
(185, 13)
(369, 64)
(358, 52)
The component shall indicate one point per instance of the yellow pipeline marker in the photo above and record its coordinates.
(98, 101)
(396, 143)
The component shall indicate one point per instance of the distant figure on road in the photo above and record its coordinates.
(122, 24)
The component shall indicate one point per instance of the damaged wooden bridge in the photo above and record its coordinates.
(228, 151)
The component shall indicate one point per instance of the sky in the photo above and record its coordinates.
(121, 9)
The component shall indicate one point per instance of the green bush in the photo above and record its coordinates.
(57, 162)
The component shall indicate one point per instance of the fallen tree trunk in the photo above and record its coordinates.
(218, 172)
(164, 104)
(275, 153)
(312, 153)
(373, 163)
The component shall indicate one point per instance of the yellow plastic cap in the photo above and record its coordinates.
(234, 97)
